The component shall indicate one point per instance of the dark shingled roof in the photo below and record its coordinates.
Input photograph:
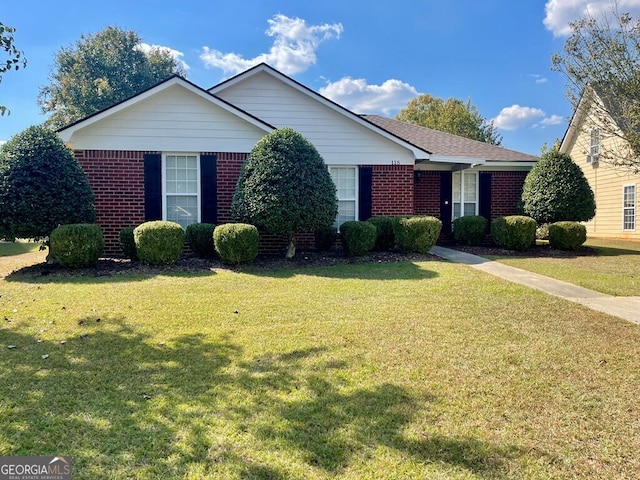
(447, 144)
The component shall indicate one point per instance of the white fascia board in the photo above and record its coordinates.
(66, 133)
(456, 159)
(509, 164)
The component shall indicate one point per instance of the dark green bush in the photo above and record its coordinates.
(159, 242)
(236, 242)
(514, 232)
(567, 235)
(76, 245)
(385, 238)
(325, 238)
(128, 243)
(200, 238)
(357, 238)
(470, 230)
(416, 234)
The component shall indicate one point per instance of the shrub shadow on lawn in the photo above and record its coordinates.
(121, 402)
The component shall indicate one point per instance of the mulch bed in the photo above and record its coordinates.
(107, 267)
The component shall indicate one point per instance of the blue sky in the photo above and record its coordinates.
(371, 57)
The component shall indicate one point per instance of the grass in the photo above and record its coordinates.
(614, 270)
(404, 370)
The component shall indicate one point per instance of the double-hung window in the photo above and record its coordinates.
(346, 181)
(465, 194)
(181, 185)
(629, 207)
(594, 144)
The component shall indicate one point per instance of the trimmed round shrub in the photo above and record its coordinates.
(76, 245)
(128, 243)
(514, 232)
(159, 242)
(567, 235)
(200, 239)
(357, 237)
(470, 230)
(385, 238)
(236, 242)
(325, 238)
(416, 234)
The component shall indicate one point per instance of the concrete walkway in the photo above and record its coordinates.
(627, 308)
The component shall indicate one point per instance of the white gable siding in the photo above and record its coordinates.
(175, 119)
(339, 139)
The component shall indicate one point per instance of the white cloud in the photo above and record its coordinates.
(560, 12)
(552, 120)
(293, 50)
(177, 55)
(516, 116)
(356, 94)
(538, 78)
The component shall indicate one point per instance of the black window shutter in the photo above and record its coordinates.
(484, 185)
(152, 186)
(208, 189)
(365, 188)
(446, 201)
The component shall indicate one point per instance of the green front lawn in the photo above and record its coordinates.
(404, 370)
(615, 269)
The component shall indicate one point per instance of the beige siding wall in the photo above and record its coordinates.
(607, 184)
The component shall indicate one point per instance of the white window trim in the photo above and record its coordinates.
(594, 148)
(356, 200)
(164, 183)
(462, 201)
(632, 208)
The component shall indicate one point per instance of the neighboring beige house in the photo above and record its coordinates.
(594, 147)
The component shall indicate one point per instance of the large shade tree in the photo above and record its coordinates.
(556, 190)
(12, 58)
(101, 70)
(451, 116)
(285, 187)
(41, 186)
(601, 62)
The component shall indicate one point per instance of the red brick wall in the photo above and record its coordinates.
(506, 190)
(427, 193)
(117, 180)
(229, 166)
(392, 190)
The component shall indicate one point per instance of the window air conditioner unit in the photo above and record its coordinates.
(588, 158)
(594, 159)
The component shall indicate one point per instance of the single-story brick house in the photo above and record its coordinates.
(175, 151)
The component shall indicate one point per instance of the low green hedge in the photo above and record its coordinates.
(416, 234)
(159, 242)
(470, 230)
(236, 242)
(514, 232)
(385, 238)
(200, 239)
(128, 243)
(357, 237)
(567, 235)
(76, 245)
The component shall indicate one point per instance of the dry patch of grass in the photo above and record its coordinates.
(402, 370)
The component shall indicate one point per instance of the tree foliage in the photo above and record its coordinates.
(557, 190)
(14, 57)
(41, 186)
(601, 61)
(101, 70)
(285, 187)
(451, 116)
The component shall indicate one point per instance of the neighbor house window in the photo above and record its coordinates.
(594, 142)
(181, 188)
(629, 207)
(346, 181)
(465, 194)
